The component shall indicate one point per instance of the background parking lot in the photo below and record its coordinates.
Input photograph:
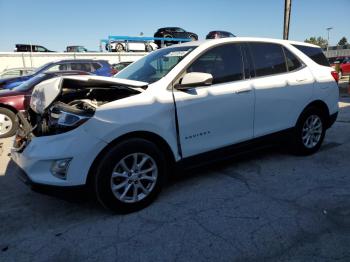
(266, 206)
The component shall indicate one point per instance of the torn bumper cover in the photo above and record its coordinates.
(39, 155)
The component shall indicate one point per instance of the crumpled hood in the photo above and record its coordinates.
(47, 91)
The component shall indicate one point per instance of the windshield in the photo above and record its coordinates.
(30, 83)
(156, 65)
(39, 69)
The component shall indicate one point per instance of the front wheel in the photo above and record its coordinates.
(309, 132)
(8, 123)
(130, 175)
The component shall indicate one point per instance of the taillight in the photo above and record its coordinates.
(335, 76)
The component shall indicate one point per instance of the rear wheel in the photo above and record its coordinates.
(309, 132)
(8, 123)
(119, 48)
(130, 175)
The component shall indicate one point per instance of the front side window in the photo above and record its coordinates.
(224, 63)
(156, 65)
(57, 67)
(40, 49)
(268, 58)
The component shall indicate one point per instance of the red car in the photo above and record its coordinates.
(344, 66)
(17, 99)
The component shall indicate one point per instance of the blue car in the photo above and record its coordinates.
(96, 67)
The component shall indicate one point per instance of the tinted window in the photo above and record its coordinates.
(40, 49)
(315, 53)
(268, 58)
(81, 67)
(223, 62)
(96, 66)
(57, 67)
(292, 62)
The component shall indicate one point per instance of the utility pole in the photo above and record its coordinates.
(287, 9)
(328, 29)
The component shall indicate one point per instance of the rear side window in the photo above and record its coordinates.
(315, 53)
(293, 62)
(81, 67)
(223, 62)
(95, 66)
(268, 59)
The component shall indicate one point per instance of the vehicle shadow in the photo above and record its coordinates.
(180, 175)
(85, 196)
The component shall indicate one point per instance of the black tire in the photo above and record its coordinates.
(9, 117)
(168, 43)
(193, 38)
(299, 145)
(108, 164)
(149, 48)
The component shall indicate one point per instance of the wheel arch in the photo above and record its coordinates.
(150, 136)
(11, 108)
(321, 105)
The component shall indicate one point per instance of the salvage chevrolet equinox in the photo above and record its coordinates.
(121, 136)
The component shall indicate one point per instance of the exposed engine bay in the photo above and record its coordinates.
(71, 103)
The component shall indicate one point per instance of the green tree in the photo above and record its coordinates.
(343, 41)
(320, 41)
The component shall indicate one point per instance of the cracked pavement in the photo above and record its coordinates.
(265, 206)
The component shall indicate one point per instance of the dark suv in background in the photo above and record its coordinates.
(173, 32)
(31, 48)
(96, 67)
(218, 34)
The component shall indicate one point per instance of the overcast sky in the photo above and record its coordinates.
(56, 24)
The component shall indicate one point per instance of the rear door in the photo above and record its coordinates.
(219, 115)
(283, 86)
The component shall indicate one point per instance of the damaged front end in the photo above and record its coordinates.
(61, 104)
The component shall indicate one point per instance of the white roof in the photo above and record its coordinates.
(243, 39)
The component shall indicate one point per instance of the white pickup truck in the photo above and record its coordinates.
(180, 104)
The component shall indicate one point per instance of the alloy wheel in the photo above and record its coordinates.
(312, 131)
(5, 124)
(134, 177)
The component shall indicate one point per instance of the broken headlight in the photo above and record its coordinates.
(68, 119)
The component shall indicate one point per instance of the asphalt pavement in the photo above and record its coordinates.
(265, 206)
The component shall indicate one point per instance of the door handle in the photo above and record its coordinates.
(243, 90)
(301, 80)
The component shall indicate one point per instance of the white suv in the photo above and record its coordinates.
(179, 104)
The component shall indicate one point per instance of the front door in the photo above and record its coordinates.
(219, 115)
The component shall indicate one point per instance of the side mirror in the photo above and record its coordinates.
(194, 79)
